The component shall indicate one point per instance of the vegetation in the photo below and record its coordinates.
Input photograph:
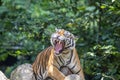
(26, 25)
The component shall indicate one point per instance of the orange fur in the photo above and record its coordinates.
(48, 64)
(61, 32)
(47, 59)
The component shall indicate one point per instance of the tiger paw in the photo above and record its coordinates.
(73, 77)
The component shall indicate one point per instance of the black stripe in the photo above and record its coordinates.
(70, 45)
(35, 76)
(41, 73)
(46, 57)
(67, 47)
(78, 71)
(72, 42)
(44, 60)
(69, 42)
(70, 58)
(39, 78)
(74, 65)
(58, 62)
(55, 66)
(60, 59)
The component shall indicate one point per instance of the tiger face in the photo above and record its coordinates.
(62, 41)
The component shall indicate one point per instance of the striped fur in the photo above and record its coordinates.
(48, 63)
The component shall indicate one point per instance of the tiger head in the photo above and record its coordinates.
(62, 41)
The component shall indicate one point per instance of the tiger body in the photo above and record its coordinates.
(50, 60)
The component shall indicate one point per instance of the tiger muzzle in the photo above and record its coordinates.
(58, 46)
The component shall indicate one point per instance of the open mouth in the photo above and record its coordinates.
(58, 47)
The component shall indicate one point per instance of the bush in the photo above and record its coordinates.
(26, 25)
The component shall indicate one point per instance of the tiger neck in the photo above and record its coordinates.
(67, 56)
(67, 53)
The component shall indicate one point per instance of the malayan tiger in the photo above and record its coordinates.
(61, 53)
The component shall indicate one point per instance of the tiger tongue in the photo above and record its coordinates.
(58, 48)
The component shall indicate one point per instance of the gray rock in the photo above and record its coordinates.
(23, 72)
(73, 77)
(2, 76)
(65, 70)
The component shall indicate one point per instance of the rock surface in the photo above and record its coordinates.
(23, 72)
(65, 70)
(2, 76)
(72, 77)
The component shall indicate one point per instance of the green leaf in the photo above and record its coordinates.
(91, 8)
(3, 9)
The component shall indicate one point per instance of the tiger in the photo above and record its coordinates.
(62, 52)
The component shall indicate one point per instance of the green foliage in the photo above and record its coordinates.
(26, 26)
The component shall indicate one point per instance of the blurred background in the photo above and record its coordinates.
(26, 26)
